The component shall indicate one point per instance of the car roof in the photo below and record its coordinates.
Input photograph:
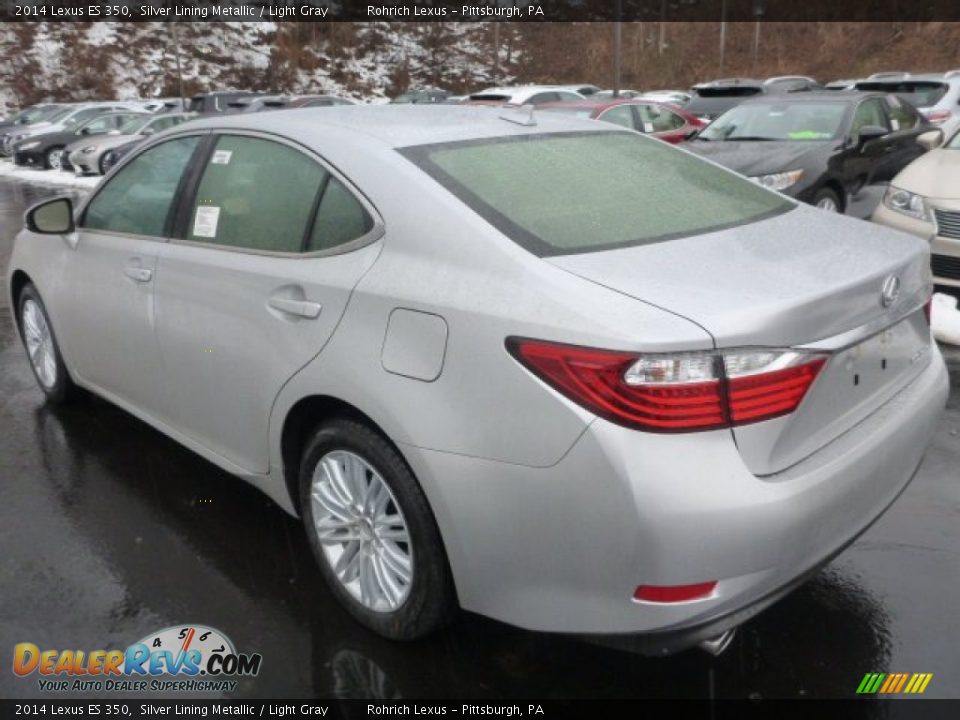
(402, 125)
(602, 104)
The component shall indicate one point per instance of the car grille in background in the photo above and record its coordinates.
(948, 223)
(946, 266)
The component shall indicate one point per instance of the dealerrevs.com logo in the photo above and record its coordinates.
(178, 658)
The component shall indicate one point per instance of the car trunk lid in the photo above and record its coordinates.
(802, 279)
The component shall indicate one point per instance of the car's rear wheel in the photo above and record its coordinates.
(826, 199)
(53, 158)
(372, 532)
(42, 349)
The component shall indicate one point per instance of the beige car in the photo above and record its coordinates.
(924, 199)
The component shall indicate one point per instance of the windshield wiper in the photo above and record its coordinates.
(750, 137)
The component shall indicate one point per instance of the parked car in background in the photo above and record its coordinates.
(587, 90)
(46, 150)
(924, 199)
(791, 83)
(216, 102)
(523, 95)
(66, 119)
(257, 103)
(608, 94)
(427, 96)
(318, 101)
(664, 122)
(712, 99)
(820, 148)
(673, 97)
(847, 84)
(623, 407)
(30, 115)
(114, 155)
(86, 155)
(936, 95)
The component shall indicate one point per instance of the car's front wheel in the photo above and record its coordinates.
(42, 349)
(372, 532)
(53, 158)
(826, 199)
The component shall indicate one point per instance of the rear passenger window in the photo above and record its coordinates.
(137, 199)
(256, 194)
(340, 218)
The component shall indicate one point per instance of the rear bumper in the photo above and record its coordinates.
(83, 164)
(562, 549)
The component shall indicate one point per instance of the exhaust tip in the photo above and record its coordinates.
(716, 645)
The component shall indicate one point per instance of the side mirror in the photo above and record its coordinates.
(85, 131)
(53, 217)
(148, 131)
(931, 139)
(692, 134)
(870, 132)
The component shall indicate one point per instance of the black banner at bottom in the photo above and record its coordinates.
(426, 709)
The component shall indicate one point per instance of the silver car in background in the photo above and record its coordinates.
(541, 368)
(86, 155)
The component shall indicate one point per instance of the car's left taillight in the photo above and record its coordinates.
(674, 392)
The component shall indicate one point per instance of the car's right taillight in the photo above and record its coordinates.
(674, 392)
(937, 117)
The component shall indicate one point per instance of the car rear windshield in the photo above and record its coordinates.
(917, 93)
(729, 91)
(565, 193)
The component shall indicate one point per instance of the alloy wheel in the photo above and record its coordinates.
(54, 159)
(39, 342)
(828, 204)
(361, 531)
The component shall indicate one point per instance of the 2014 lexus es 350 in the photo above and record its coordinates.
(540, 368)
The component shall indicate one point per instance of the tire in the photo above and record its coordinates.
(52, 158)
(826, 199)
(100, 167)
(43, 352)
(365, 548)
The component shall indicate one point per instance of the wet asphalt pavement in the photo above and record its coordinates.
(110, 531)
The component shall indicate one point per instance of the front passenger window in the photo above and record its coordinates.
(137, 199)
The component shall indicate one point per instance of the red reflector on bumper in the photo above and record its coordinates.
(674, 593)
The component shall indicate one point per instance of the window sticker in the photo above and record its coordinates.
(648, 127)
(895, 124)
(221, 157)
(205, 222)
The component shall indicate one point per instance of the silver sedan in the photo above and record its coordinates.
(540, 368)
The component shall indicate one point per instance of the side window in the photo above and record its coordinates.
(163, 123)
(137, 199)
(100, 125)
(902, 116)
(656, 119)
(620, 115)
(255, 194)
(869, 112)
(340, 218)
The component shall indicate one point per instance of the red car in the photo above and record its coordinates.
(666, 122)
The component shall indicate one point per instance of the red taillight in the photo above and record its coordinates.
(938, 116)
(680, 392)
(674, 593)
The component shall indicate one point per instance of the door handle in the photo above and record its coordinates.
(301, 308)
(138, 273)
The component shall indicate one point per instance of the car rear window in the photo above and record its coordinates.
(565, 193)
(917, 93)
(731, 91)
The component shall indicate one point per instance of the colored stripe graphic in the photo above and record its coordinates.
(894, 683)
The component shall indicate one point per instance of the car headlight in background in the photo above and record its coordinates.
(906, 202)
(88, 149)
(779, 181)
(29, 145)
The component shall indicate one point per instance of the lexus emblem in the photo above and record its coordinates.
(890, 290)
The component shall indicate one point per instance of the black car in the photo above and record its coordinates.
(29, 116)
(46, 150)
(820, 148)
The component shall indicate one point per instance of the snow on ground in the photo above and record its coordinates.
(46, 177)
